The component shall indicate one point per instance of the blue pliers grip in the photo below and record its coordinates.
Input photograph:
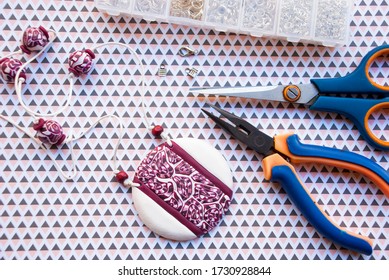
(277, 169)
(286, 176)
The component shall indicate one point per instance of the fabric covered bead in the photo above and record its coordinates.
(34, 39)
(9, 67)
(49, 132)
(80, 62)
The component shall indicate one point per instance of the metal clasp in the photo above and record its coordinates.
(186, 51)
(162, 70)
(192, 72)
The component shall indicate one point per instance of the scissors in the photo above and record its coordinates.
(316, 95)
(277, 169)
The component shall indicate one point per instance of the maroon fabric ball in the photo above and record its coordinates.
(34, 39)
(81, 62)
(49, 132)
(9, 67)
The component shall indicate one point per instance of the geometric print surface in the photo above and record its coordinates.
(93, 217)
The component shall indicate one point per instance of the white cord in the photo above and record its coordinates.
(143, 87)
(19, 82)
(165, 136)
(18, 89)
(121, 128)
(70, 139)
(69, 176)
(11, 54)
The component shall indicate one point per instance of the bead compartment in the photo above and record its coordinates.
(324, 22)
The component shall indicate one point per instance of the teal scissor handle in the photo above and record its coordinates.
(358, 81)
(358, 111)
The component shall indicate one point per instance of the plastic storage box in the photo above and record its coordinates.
(324, 22)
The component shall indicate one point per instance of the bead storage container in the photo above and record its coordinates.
(324, 22)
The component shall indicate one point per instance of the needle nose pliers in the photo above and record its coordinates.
(278, 169)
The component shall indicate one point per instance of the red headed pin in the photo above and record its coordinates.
(157, 130)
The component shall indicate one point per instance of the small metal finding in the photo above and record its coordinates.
(162, 70)
(192, 72)
(186, 51)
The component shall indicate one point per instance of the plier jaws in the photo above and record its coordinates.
(243, 131)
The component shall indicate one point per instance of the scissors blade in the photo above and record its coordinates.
(272, 93)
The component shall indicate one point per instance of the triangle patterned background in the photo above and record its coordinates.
(43, 217)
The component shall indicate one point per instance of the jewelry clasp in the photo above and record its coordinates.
(186, 51)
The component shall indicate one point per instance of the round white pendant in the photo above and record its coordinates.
(185, 189)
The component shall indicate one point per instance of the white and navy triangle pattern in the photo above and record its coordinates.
(44, 217)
